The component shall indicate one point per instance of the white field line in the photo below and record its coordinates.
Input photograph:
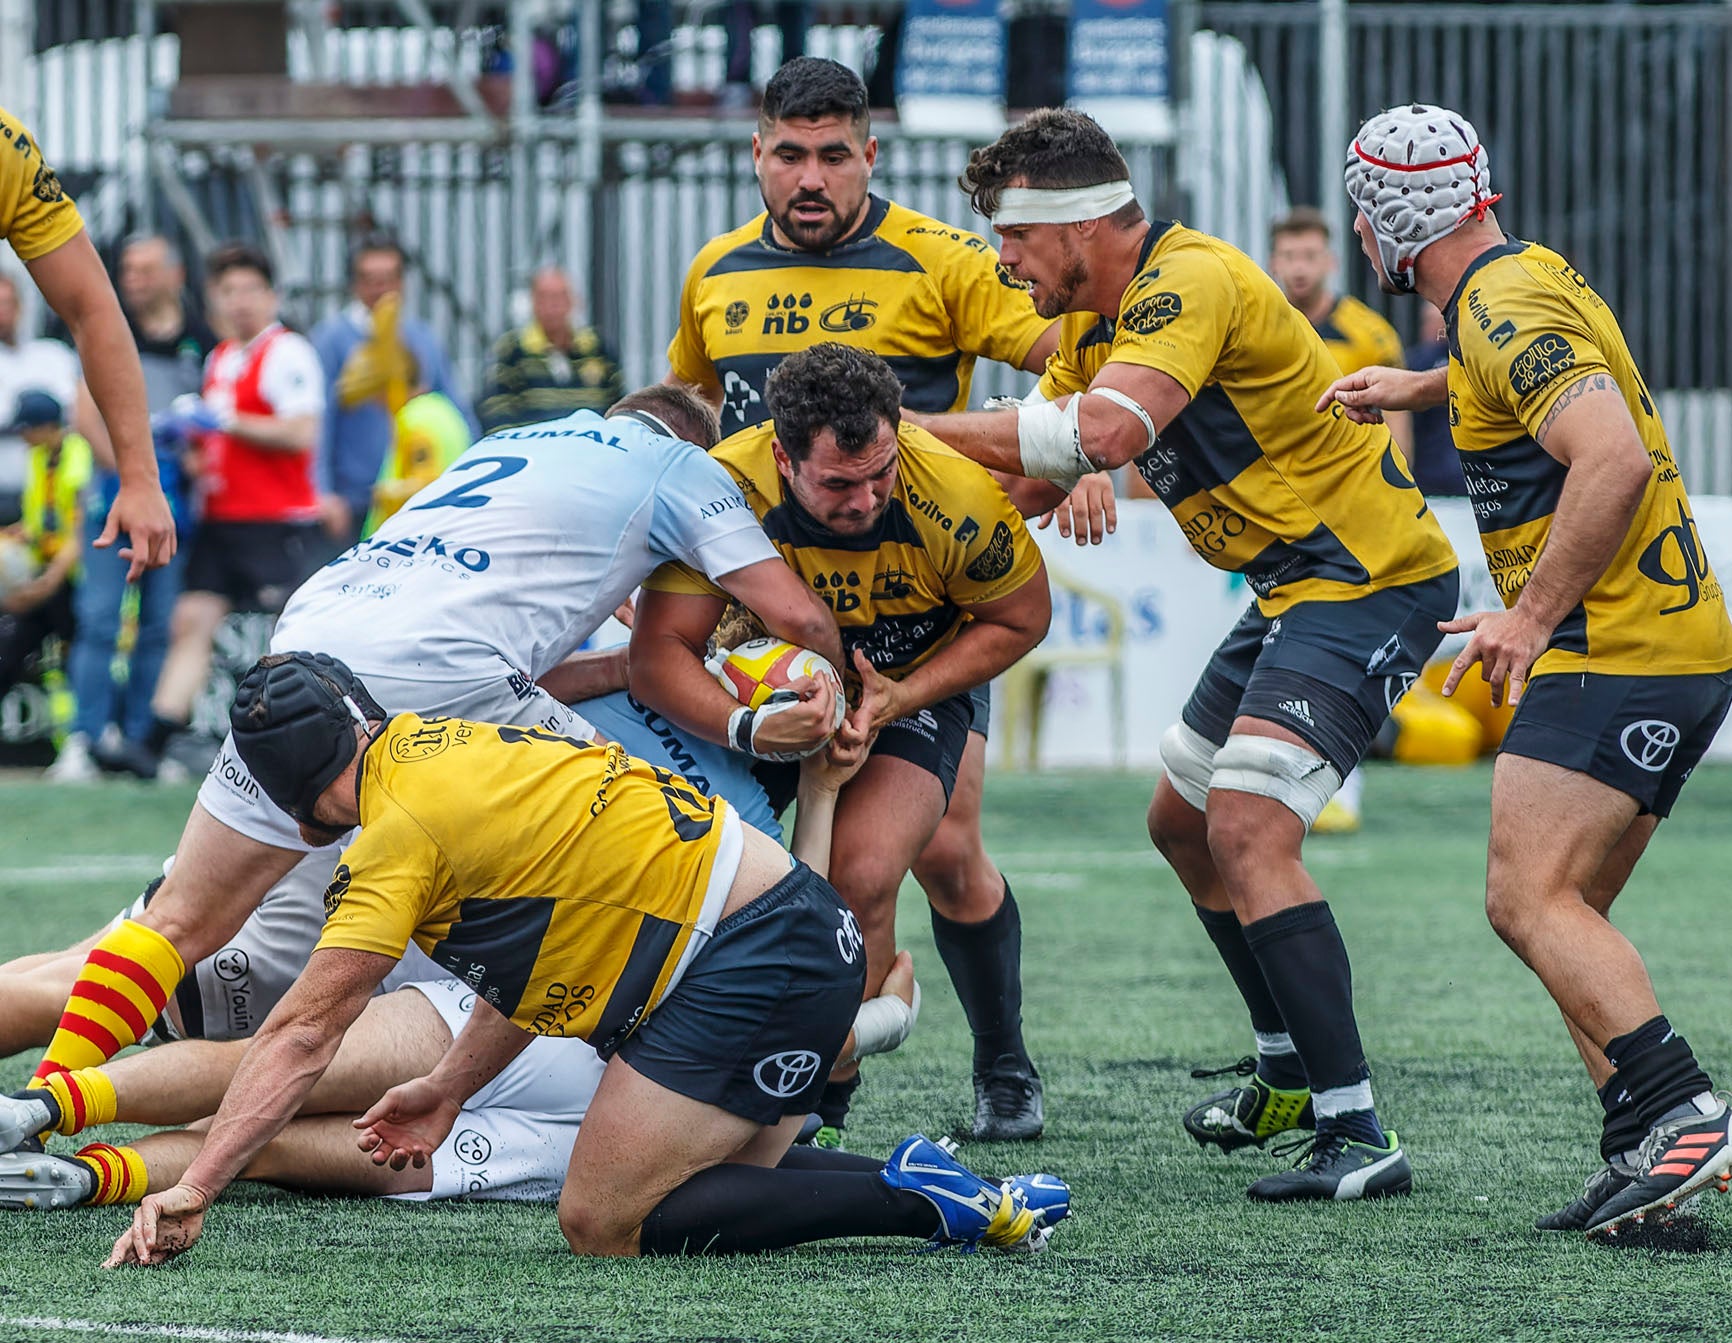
(87, 869)
(104, 1328)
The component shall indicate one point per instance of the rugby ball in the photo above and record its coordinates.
(758, 668)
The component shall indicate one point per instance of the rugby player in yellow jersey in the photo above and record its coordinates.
(1614, 645)
(582, 894)
(936, 587)
(1303, 264)
(43, 226)
(1168, 331)
(828, 260)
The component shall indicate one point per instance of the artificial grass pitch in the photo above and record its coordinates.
(1124, 995)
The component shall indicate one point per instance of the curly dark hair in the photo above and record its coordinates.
(1054, 147)
(832, 386)
(684, 412)
(809, 86)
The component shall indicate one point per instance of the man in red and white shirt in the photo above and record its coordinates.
(256, 429)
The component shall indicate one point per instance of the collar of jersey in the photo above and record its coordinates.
(1509, 247)
(875, 213)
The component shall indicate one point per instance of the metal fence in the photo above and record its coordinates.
(1610, 130)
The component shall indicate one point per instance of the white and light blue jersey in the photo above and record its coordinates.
(712, 769)
(521, 549)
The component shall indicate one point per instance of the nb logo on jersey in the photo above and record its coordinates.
(784, 317)
(853, 314)
(1649, 743)
(1675, 558)
(786, 1074)
(834, 589)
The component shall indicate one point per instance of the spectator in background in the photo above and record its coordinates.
(172, 347)
(375, 357)
(1303, 264)
(792, 18)
(1435, 462)
(56, 472)
(549, 368)
(45, 365)
(255, 429)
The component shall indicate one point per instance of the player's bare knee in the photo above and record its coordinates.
(591, 1235)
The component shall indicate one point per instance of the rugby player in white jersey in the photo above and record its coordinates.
(483, 582)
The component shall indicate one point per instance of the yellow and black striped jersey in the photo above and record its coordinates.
(927, 297)
(36, 214)
(948, 539)
(1308, 507)
(1357, 336)
(1524, 326)
(561, 881)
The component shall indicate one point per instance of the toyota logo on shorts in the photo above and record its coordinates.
(786, 1074)
(472, 1148)
(1649, 743)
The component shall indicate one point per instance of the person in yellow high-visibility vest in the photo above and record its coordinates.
(56, 476)
(431, 433)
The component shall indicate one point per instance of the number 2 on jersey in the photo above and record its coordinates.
(467, 495)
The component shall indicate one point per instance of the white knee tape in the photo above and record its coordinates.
(1189, 759)
(1295, 776)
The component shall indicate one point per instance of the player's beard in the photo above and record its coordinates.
(813, 235)
(1072, 277)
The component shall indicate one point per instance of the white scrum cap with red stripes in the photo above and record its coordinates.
(1417, 172)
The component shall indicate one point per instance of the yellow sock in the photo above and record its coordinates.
(86, 1099)
(122, 989)
(120, 1173)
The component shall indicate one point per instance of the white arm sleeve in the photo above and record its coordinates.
(701, 515)
(292, 379)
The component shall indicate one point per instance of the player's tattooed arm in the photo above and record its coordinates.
(1594, 382)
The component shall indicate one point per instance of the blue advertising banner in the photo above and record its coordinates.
(950, 75)
(1118, 69)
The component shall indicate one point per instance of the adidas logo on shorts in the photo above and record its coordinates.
(1298, 708)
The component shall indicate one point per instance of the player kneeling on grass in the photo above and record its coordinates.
(583, 894)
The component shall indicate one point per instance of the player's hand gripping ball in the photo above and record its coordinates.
(758, 673)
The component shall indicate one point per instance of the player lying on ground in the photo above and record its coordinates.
(937, 588)
(582, 894)
(512, 1140)
(1615, 647)
(484, 581)
(1178, 353)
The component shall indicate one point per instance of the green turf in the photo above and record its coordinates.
(1124, 996)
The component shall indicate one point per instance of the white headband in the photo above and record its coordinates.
(1059, 205)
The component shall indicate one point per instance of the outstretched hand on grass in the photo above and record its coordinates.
(163, 1226)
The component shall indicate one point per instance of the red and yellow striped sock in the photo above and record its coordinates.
(86, 1099)
(120, 1173)
(122, 989)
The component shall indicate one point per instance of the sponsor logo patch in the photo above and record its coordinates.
(735, 315)
(1148, 315)
(338, 888)
(1545, 357)
(996, 559)
(852, 314)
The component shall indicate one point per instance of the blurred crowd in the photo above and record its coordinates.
(277, 450)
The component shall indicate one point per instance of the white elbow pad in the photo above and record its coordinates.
(1051, 442)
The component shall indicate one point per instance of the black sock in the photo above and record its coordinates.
(828, 1158)
(1657, 1069)
(834, 1100)
(985, 964)
(738, 1209)
(1278, 1070)
(1622, 1131)
(1305, 964)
